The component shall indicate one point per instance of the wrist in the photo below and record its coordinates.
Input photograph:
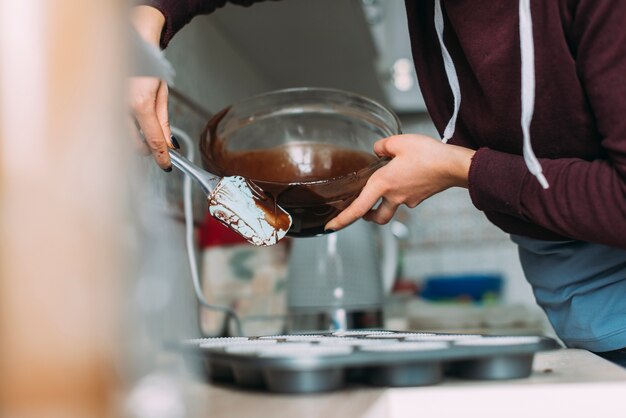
(461, 160)
(148, 23)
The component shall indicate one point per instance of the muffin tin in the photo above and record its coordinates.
(329, 361)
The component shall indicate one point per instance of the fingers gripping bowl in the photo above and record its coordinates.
(310, 149)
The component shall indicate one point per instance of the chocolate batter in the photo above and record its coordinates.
(295, 162)
(310, 180)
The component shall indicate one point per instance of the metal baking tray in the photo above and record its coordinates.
(329, 361)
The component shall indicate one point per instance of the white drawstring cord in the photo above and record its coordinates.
(453, 79)
(191, 254)
(527, 48)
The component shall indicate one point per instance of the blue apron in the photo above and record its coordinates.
(582, 288)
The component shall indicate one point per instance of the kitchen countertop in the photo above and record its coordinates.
(568, 382)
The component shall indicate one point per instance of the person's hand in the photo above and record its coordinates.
(148, 95)
(420, 167)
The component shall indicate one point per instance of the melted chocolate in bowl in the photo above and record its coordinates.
(308, 149)
(306, 162)
(328, 178)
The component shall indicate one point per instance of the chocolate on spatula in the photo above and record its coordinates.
(255, 217)
(239, 204)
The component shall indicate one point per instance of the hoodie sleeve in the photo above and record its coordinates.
(586, 199)
(180, 12)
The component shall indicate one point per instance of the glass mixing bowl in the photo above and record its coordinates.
(309, 148)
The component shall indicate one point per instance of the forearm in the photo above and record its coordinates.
(177, 13)
(586, 199)
(459, 164)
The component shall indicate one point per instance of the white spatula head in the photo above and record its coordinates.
(255, 217)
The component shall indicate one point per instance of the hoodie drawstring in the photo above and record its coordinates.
(453, 78)
(527, 50)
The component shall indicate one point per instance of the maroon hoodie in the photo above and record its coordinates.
(578, 130)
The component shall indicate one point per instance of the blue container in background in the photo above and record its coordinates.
(463, 287)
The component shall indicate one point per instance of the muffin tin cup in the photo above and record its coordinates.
(494, 368)
(402, 375)
(309, 381)
(219, 371)
(248, 377)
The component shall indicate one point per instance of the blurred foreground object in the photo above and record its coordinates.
(61, 172)
(148, 60)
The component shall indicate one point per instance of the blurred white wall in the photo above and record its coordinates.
(209, 67)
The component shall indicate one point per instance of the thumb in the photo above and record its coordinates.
(162, 113)
(382, 147)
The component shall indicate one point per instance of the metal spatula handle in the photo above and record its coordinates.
(207, 181)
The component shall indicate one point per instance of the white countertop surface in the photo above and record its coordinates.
(565, 383)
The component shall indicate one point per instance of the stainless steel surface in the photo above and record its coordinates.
(344, 273)
(340, 284)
